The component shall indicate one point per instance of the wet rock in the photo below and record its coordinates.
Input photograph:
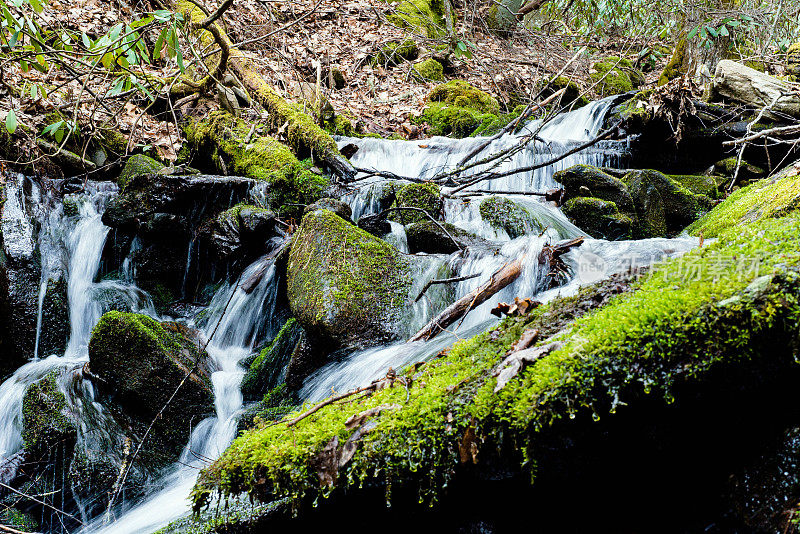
(429, 237)
(46, 422)
(599, 184)
(19, 278)
(727, 167)
(190, 196)
(506, 215)
(140, 362)
(55, 328)
(700, 184)
(345, 285)
(137, 165)
(239, 234)
(378, 227)
(426, 196)
(267, 371)
(338, 207)
(599, 218)
(663, 206)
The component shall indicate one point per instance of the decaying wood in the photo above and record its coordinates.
(552, 252)
(740, 83)
(519, 307)
(500, 279)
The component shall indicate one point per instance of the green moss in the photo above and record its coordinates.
(600, 218)
(220, 136)
(615, 75)
(699, 184)
(20, 520)
(396, 52)
(137, 165)
(429, 70)
(426, 196)
(457, 108)
(768, 198)
(677, 64)
(265, 373)
(572, 93)
(506, 215)
(70, 203)
(585, 180)
(343, 283)
(45, 420)
(340, 125)
(690, 316)
(747, 171)
(793, 60)
(425, 17)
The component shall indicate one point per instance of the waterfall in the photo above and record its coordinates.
(236, 322)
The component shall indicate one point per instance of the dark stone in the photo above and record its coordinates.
(600, 184)
(599, 218)
(429, 237)
(267, 371)
(336, 206)
(376, 226)
(55, 328)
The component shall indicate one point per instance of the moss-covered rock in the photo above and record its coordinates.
(663, 206)
(335, 205)
(501, 17)
(615, 75)
(599, 218)
(793, 60)
(46, 422)
(345, 285)
(588, 181)
(684, 355)
(457, 108)
(239, 233)
(221, 137)
(394, 53)
(426, 196)
(426, 17)
(573, 93)
(268, 369)
(772, 197)
(429, 70)
(727, 167)
(140, 363)
(137, 165)
(431, 238)
(506, 215)
(55, 327)
(700, 184)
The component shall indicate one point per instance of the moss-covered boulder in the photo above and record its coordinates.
(429, 70)
(457, 108)
(221, 137)
(727, 167)
(425, 196)
(588, 181)
(601, 219)
(345, 285)
(426, 17)
(573, 93)
(615, 75)
(769, 198)
(793, 60)
(637, 389)
(506, 215)
(137, 165)
(442, 238)
(700, 184)
(394, 53)
(266, 372)
(663, 206)
(239, 233)
(501, 17)
(140, 363)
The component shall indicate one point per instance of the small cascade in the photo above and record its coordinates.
(239, 317)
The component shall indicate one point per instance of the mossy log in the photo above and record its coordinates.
(304, 136)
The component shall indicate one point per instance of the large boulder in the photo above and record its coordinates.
(268, 369)
(137, 165)
(55, 328)
(239, 234)
(458, 109)
(140, 363)
(423, 196)
(345, 285)
(588, 181)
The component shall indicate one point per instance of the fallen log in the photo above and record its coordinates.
(499, 279)
(737, 82)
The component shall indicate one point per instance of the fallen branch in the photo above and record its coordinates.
(10, 530)
(445, 281)
(780, 131)
(37, 501)
(504, 276)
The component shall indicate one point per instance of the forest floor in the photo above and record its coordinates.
(293, 41)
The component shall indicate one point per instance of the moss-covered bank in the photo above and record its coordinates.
(707, 315)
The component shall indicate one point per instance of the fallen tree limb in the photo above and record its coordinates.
(445, 281)
(779, 131)
(504, 276)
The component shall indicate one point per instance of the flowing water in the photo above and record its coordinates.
(237, 322)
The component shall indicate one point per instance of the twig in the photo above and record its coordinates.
(328, 401)
(445, 281)
(34, 499)
(382, 215)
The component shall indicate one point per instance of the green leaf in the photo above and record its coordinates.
(11, 122)
(734, 23)
(693, 33)
(159, 44)
(723, 31)
(36, 5)
(179, 57)
(712, 31)
(87, 43)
